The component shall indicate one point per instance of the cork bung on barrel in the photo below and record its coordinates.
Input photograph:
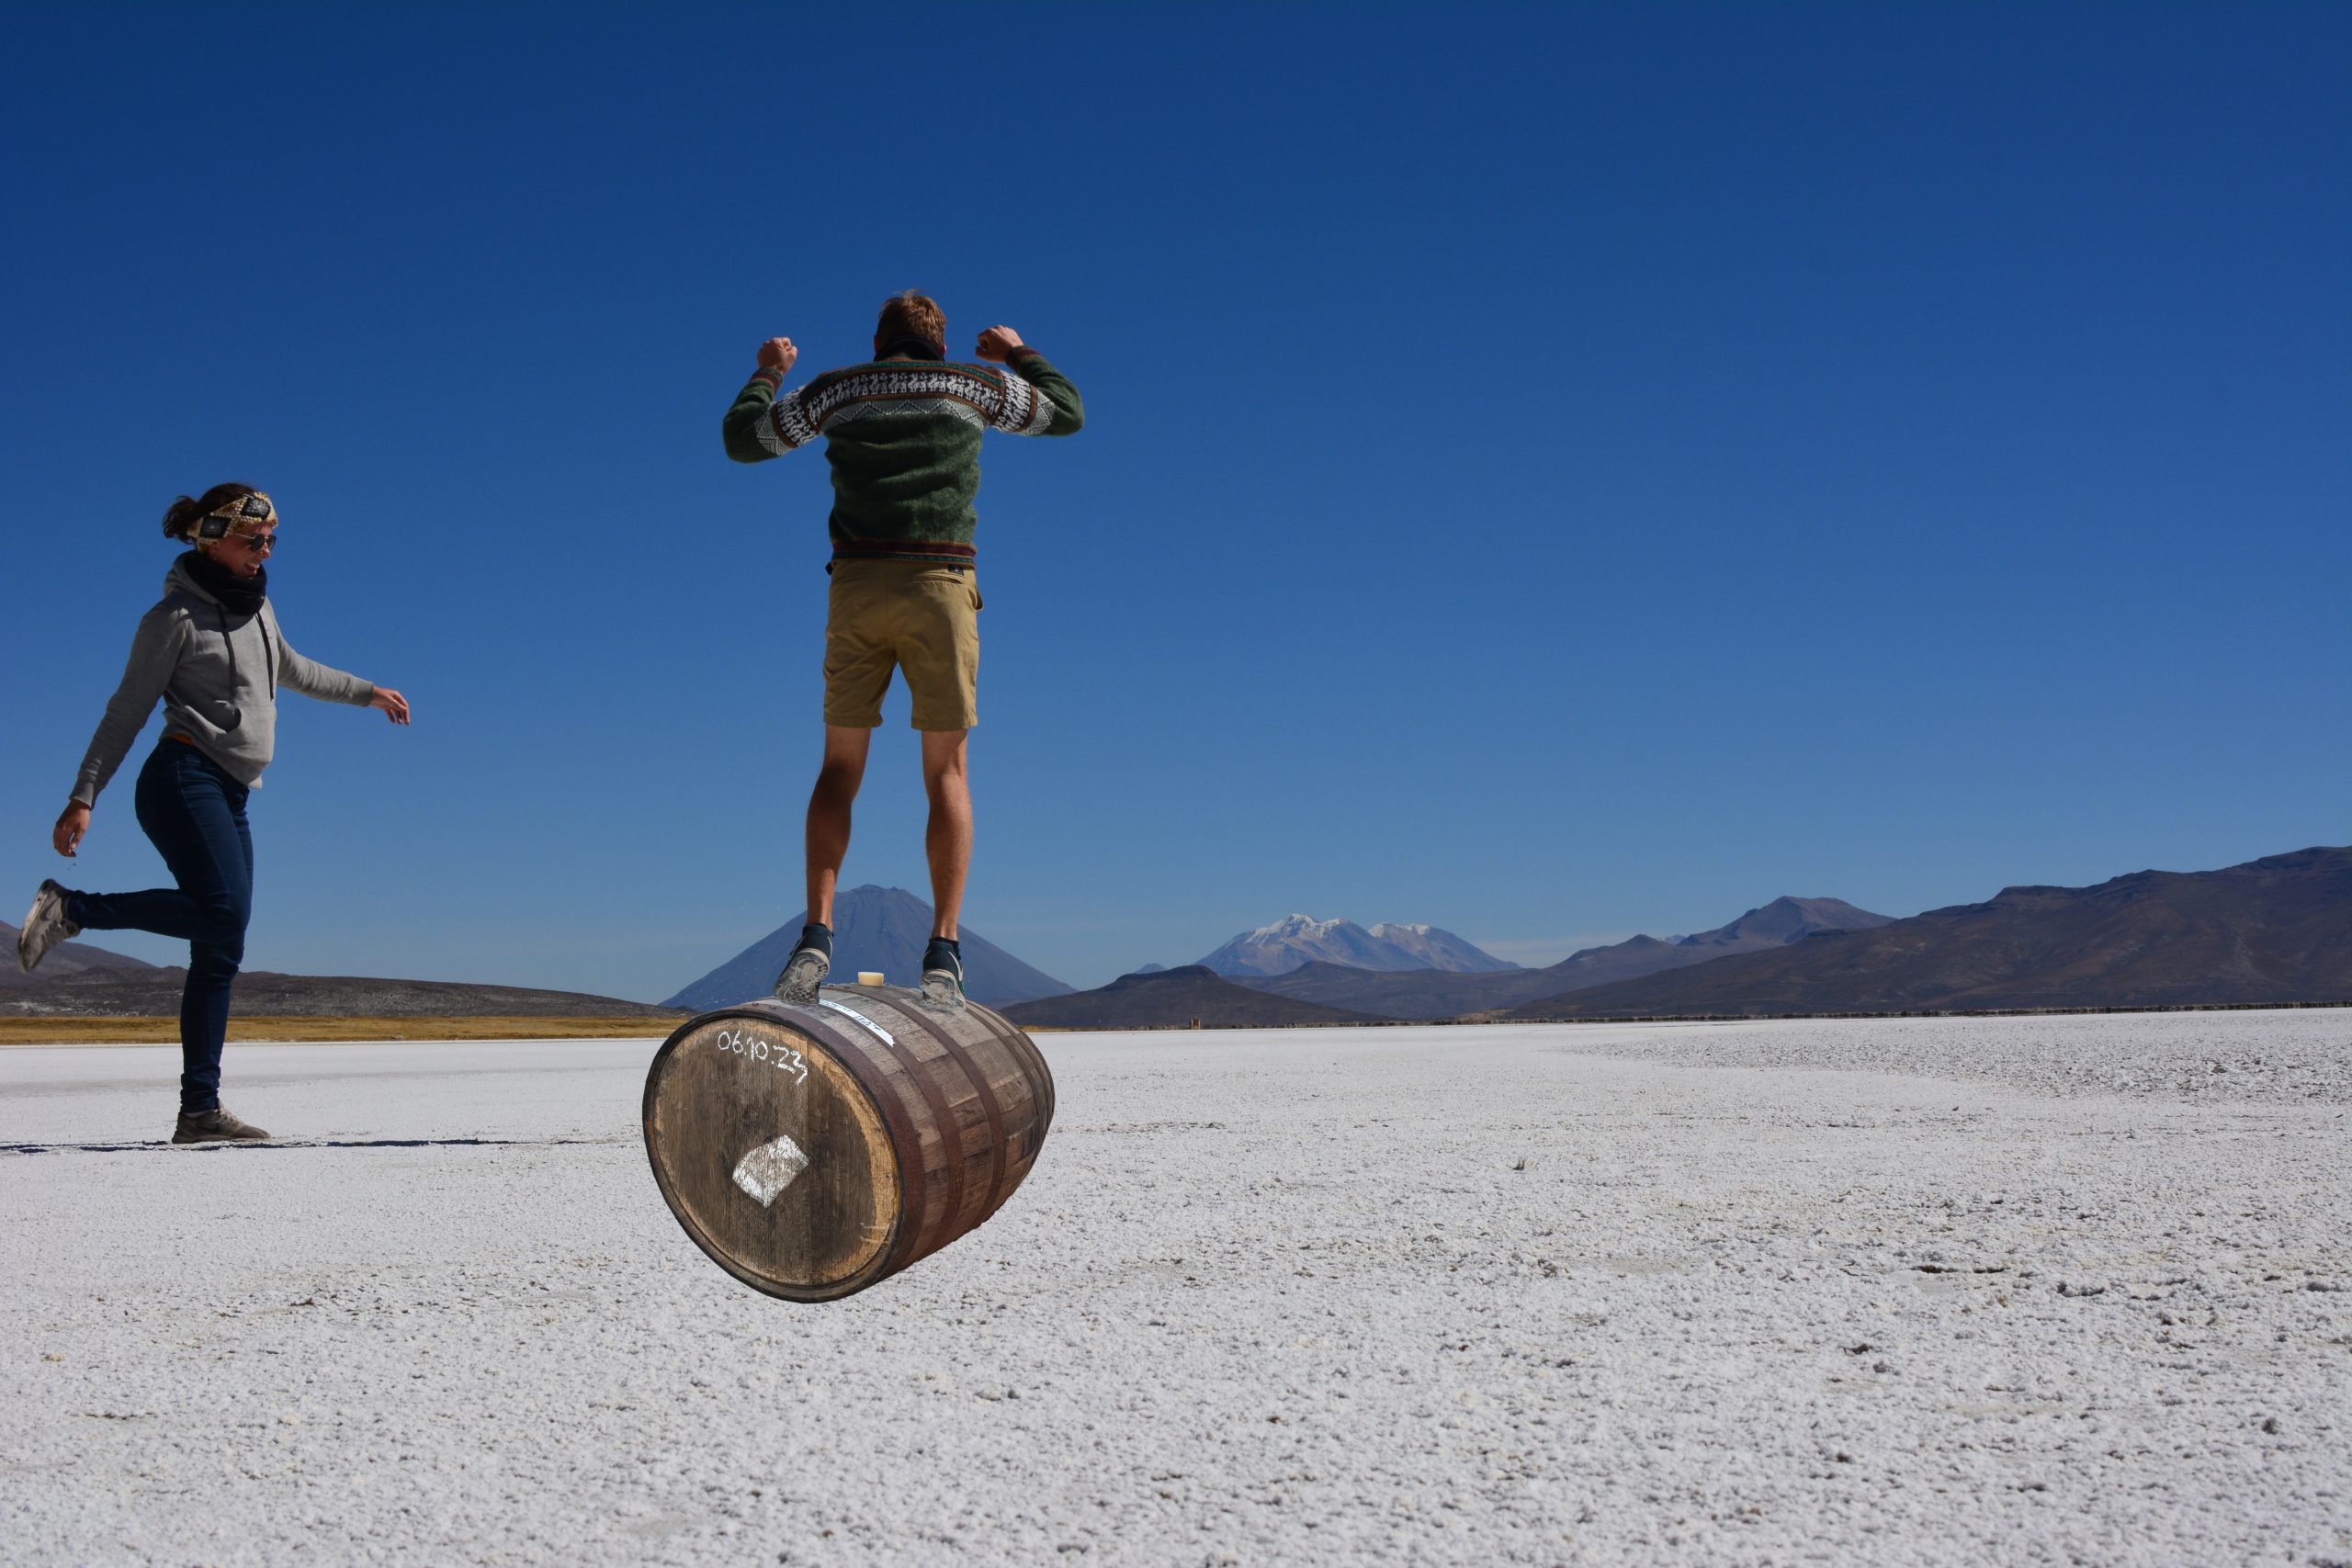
(814, 1151)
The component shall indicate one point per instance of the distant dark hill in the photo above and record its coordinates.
(148, 992)
(1428, 993)
(66, 958)
(1785, 920)
(881, 928)
(1405, 993)
(2278, 929)
(1173, 998)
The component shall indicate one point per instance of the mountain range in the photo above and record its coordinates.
(1192, 994)
(1296, 940)
(880, 928)
(2275, 930)
(1430, 994)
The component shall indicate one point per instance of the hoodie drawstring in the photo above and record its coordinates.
(229, 640)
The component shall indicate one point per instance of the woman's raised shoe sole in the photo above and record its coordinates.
(45, 926)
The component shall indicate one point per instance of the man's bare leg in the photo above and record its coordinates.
(838, 777)
(948, 838)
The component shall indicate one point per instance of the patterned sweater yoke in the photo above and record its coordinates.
(976, 394)
(902, 438)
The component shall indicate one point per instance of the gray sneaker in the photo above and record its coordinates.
(803, 973)
(45, 926)
(218, 1125)
(943, 978)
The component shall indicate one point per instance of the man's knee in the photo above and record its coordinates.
(944, 751)
(838, 778)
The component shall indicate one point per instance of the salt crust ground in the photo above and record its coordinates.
(2010, 1291)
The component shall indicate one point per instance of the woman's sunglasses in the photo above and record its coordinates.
(260, 544)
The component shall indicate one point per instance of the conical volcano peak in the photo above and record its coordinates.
(875, 927)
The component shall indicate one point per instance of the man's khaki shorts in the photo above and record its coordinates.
(921, 618)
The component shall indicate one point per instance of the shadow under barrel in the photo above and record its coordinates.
(813, 1151)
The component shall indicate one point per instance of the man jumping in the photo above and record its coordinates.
(902, 434)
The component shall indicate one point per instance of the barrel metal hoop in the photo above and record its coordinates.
(1016, 1040)
(951, 1137)
(1014, 1035)
(988, 1107)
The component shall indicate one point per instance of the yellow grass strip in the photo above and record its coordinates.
(166, 1030)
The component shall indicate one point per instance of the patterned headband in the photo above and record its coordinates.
(246, 513)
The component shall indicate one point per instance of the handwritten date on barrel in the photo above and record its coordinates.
(756, 1047)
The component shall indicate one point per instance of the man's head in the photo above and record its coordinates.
(908, 319)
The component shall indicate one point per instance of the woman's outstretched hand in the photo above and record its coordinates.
(394, 705)
(71, 824)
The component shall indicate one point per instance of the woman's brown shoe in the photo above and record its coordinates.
(214, 1126)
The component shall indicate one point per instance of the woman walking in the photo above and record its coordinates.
(212, 652)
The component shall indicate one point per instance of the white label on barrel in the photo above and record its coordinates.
(876, 1030)
(769, 1169)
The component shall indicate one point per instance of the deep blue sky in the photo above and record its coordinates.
(1548, 472)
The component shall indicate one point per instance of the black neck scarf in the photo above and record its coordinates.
(910, 347)
(238, 595)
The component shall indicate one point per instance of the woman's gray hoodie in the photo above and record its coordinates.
(217, 673)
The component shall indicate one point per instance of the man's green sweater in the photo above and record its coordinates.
(903, 439)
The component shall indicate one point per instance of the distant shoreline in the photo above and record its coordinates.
(290, 1030)
(296, 1030)
(1481, 1019)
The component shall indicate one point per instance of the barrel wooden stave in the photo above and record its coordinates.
(987, 1107)
(920, 1137)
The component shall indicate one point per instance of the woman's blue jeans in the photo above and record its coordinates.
(195, 812)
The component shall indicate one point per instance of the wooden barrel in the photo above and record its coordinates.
(813, 1151)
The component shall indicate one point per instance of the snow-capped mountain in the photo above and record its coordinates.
(1295, 940)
